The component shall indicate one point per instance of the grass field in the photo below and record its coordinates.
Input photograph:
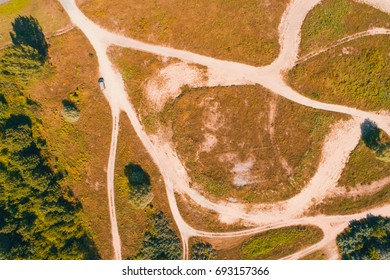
(346, 205)
(48, 12)
(80, 149)
(275, 244)
(233, 148)
(271, 245)
(363, 168)
(231, 30)
(353, 74)
(334, 19)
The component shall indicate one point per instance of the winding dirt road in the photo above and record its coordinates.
(173, 172)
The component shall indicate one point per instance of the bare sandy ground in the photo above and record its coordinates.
(231, 73)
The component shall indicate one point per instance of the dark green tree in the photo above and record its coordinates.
(202, 251)
(69, 111)
(370, 134)
(366, 239)
(161, 242)
(27, 31)
(139, 185)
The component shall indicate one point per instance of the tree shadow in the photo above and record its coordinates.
(69, 104)
(18, 120)
(136, 175)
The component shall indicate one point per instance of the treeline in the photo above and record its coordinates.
(39, 218)
(366, 239)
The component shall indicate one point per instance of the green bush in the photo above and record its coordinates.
(366, 239)
(202, 251)
(139, 185)
(70, 112)
(371, 136)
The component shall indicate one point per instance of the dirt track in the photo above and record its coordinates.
(172, 170)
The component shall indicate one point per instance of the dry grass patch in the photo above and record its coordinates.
(334, 19)
(353, 74)
(232, 30)
(363, 168)
(136, 68)
(78, 149)
(317, 255)
(271, 245)
(201, 218)
(49, 13)
(351, 205)
(239, 143)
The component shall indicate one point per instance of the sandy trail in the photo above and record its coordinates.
(172, 170)
(110, 188)
(370, 32)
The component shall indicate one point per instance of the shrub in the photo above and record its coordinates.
(139, 185)
(202, 251)
(371, 135)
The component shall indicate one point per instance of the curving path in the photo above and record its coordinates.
(172, 170)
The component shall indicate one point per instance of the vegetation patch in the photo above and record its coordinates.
(203, 218)
(139, 184)
(353, 74)
(78, 150)
(160, 241)
(135, 221)
(272, 244)
(317, 255)
(231, 30)
(373, 137)
(13, 7)
(335, 19)
(275, 244)
(366, 239)
(70, 111)
(348, 205)
(367, 163)
(239, 142)
(202, 251)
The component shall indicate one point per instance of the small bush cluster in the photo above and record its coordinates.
(70, 112)
(139, 185)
